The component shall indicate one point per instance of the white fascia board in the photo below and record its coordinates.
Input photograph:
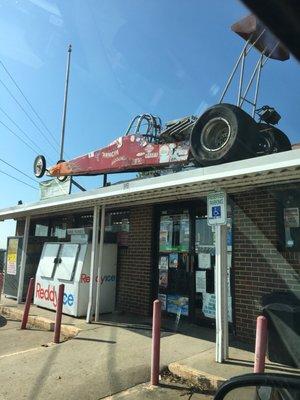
(196, 179)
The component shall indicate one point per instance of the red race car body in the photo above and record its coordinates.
(127, 153)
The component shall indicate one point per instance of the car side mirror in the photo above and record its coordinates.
(260, 387)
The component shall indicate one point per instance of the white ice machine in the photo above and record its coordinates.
(69, 263)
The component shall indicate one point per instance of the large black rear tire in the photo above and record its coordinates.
(222, 134)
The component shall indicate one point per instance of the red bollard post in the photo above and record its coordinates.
(59, 307)
(27, 303)
(155, 355)
(260, 344)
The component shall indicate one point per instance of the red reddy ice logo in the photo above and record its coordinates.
(50, 294)
(84, 278)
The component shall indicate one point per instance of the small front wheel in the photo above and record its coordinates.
(39, 166)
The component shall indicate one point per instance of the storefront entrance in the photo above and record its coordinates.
(186, 260)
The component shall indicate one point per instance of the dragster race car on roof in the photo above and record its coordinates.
(223, 133)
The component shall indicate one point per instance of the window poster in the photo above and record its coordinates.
(163, 279)
(229, 239)
(165, 233)
(163, 300)
(204, 260)
(209, 306)
(173, 260)
(178, 304)
(11, 266)
(184, 235)
(229, 233)
(163, 262)
(200, 281)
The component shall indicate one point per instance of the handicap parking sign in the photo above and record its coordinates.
(217, 208)
(216, 211)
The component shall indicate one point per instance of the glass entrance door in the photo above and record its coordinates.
(186, 263)
(174, 261)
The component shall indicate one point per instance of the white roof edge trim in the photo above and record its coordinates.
(245, 168)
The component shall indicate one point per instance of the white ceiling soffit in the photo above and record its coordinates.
(236, 176)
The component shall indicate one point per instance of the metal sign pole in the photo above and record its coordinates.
(94, 260)
(221, 293)
(23, 260)
(217, 217)
(65, 105)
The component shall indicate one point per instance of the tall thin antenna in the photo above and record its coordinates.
(65, 105)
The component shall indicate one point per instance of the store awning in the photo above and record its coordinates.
(233, 177)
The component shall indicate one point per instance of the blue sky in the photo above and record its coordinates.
(166, 57)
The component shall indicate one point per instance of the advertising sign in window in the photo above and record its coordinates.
(11, 266)
(177, 303)
(165, 233)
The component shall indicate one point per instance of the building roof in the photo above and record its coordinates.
(233, 177)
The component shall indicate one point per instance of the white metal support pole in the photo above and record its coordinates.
(101, 244)
(23, 260)
(94, 259)
(221, 294)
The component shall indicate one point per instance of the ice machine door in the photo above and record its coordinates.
(48, 260)
(67, 261)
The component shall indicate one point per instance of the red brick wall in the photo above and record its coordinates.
(135, 264)
(259, 268)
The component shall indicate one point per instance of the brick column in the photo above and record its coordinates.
(259, 266)
(135, 263)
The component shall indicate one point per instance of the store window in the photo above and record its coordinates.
(117, 224)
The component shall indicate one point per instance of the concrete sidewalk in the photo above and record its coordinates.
(202, 371)
(13, 340)
(162, 392)
(112, 356)
(103, 359)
